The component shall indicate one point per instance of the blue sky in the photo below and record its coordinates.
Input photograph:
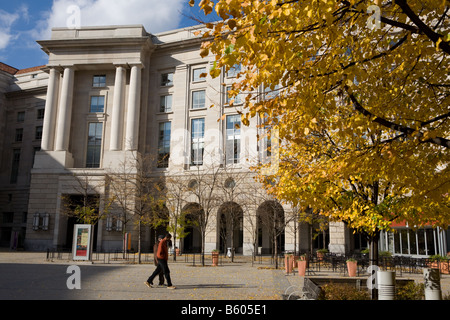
(22, 22)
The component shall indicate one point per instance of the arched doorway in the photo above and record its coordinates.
(231, 227)
(192, 242)
(271, 227)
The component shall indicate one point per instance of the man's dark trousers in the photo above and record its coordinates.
(162, 266)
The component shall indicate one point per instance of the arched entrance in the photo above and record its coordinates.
(271, 227)
(231, 227)
(192, 242)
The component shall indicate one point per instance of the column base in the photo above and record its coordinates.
(116, 161)
(53, 160)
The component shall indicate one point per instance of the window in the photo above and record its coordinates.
(192, 184)
(266, 141)
(233, 141)
(234, 70)
(167, 79)
(40, 114)
(230, 183)
(198, 99)
(196, 75)
(271, 94)
(21, 116)
(164, 145)
(165, 103)
(38, 133)
(97, 104)
(19, 135)
(197, 141)
(228, 99)
(15, 165)
(94, 145)
(99, 81)
(8, 217)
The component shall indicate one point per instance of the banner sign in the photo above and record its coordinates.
(82, 242)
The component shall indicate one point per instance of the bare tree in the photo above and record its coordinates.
(137, 195)
(203, 184)
(234, 189)
(85, 199)
(175, 193)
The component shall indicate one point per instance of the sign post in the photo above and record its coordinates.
(82, 242)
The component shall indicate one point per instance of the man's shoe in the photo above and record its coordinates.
(148, 284)
(171, 288)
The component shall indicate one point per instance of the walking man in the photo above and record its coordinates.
(162, 255)
(155, 259)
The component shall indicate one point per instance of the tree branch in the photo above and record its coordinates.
(433, 36)
(443, 142)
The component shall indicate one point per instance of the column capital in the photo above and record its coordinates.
(121, 65)
(140, 65)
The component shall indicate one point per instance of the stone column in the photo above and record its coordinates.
(117, 112)
(134, 104)
(339, 238)
(49, 125)
(65, 111)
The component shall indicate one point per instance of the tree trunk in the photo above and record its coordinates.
(232, 239)
(373, 243)
(276, 250)
(373, 260)
(203, 248)
(139, 241)
(175, 246)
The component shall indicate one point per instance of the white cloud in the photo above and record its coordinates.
(6, 21)
(155, 15)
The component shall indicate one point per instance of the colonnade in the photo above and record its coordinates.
(58, 116)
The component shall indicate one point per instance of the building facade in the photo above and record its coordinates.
(112, 96)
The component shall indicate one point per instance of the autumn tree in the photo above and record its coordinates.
(361, 103)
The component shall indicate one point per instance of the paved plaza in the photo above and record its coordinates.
(29, 276)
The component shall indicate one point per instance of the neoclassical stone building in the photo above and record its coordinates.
(114, 95)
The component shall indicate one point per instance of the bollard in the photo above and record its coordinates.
(432, 284)
(386, 285)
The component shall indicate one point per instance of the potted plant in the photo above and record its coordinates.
(365, 252)
(215, 257)
(288, 262)
(439, 262)
(352, 267)
(302, 265)
(321, 253)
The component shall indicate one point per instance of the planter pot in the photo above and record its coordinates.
(351, 267)
(215, 259)
(443, 266)
(301, 268)
(386, 285)
(288, 263)
(295, 262)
